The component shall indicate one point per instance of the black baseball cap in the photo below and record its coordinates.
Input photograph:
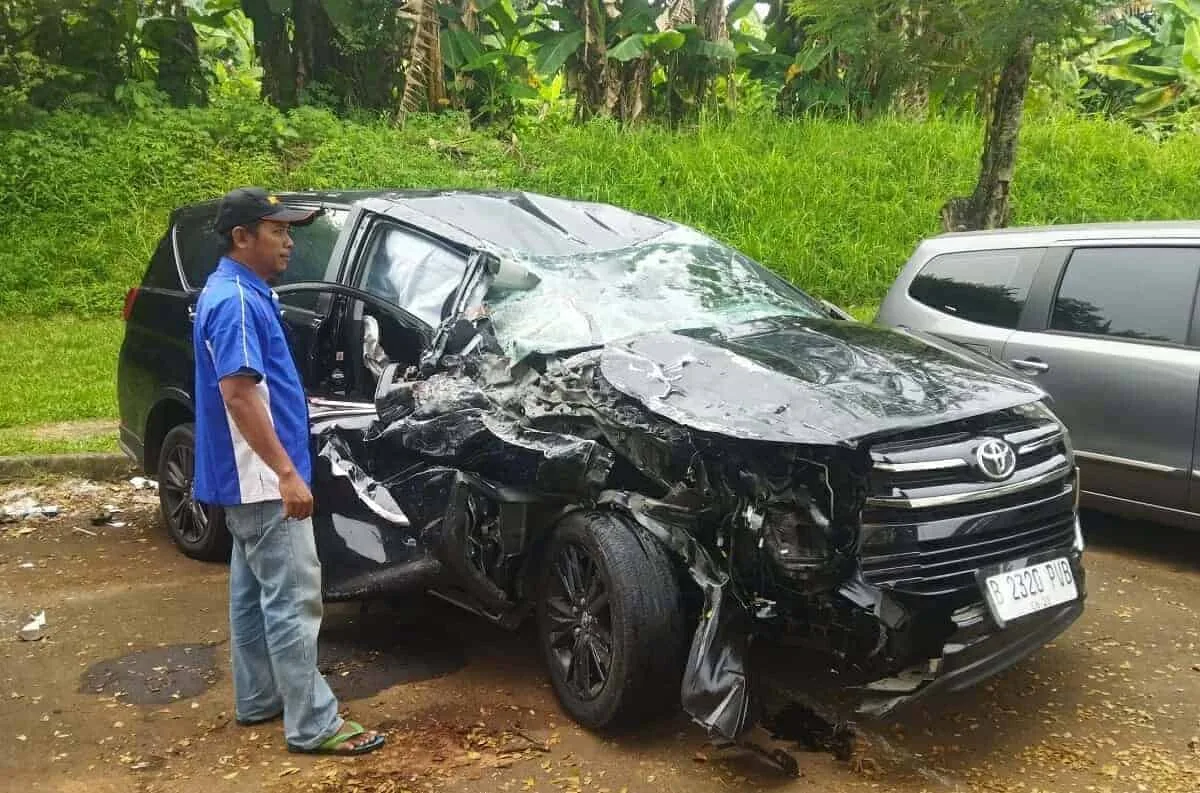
(245, 205)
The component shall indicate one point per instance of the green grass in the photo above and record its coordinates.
(23, 441)
(835, 206)
(57, 369)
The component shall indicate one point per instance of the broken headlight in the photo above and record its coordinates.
(796, 539)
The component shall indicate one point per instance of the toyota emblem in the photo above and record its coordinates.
(996, 459)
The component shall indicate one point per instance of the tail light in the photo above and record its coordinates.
(130, 297)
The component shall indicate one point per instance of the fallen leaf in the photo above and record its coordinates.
(1110, 771)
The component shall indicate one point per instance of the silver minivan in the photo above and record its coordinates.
(1105, 318)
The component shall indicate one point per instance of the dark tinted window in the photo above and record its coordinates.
(162, 272)
(980, 286)
(312, 246)
(1133, 293)
(200, 248)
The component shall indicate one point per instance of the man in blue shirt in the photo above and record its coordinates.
(253, 458)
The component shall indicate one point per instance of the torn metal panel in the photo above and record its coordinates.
(716, 690)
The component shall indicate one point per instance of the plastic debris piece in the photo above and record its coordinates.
(27, 508)
(33, 629)
(142, 483)
(26, 565)
(85, 531)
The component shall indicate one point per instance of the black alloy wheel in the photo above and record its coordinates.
(580, 621)
(610, 621)
(199, 530)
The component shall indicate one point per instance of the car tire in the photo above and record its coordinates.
(636, 611)
(198, 530)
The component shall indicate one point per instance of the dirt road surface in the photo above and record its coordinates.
(129, 689)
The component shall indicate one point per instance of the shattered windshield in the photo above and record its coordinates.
(681, 279)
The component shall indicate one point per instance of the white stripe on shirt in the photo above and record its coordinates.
(245, 344)
(256, 480)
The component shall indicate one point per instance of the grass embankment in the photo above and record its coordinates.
(57, 369)
(834, 206)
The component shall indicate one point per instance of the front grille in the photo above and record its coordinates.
(940, 567)
(932, 519)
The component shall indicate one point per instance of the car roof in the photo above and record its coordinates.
(1032, 236)
(529, 223)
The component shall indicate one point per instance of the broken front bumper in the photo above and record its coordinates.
(980, 646)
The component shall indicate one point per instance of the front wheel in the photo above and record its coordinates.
(197, 529)
(610, 622)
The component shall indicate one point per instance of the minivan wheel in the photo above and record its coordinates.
(610, 622)
(197, 529)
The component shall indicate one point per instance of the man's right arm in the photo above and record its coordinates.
(249, 412)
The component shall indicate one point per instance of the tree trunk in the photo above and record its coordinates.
(179, 70)
(988, 206)
(274, 52)
(602, 86)
(424, 80)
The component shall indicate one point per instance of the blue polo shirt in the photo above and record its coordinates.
(239, 330)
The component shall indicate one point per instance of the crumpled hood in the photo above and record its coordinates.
(809, 381)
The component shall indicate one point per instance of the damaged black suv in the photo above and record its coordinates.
(641, 439)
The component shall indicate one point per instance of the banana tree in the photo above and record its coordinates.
(1159, 56)
(487, 47)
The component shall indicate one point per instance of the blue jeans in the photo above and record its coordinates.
(275, 614)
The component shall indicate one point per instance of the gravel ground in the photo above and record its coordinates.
(129, 687)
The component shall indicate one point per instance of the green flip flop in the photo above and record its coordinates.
(334, 745)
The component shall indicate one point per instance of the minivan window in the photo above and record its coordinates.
(989, 287)
(198, 245)
(1135, 293)
(200, 248)
(413, 272)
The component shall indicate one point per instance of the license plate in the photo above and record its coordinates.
(1015, 593)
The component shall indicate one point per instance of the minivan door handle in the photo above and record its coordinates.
(1032, 365)
(191, 312)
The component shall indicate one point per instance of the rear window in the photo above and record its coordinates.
(989, 287)
(200, 247)
(1132, 293)
(162, 272)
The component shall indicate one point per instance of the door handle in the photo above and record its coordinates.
(1032, 365)
(191, 312)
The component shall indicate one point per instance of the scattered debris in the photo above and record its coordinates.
(82, 530)
(142, 483)
(26, 565)
(107, 517)
(33, 629)
(26, 507)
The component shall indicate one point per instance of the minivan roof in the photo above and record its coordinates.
(526, 222)
(1030, 236)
